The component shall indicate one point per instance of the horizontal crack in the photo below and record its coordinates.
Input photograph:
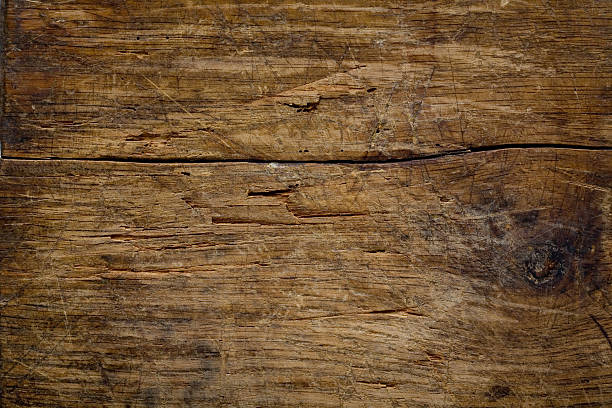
(405, 311)
(470, 150)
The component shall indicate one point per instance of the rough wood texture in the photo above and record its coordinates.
(480, 279)
(208, 233)
(294, 81)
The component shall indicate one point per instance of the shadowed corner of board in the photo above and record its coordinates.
(12, 138)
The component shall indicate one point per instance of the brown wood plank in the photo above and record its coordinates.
(480, 279)
(292, 81)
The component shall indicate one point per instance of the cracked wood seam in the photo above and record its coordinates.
(294, 81)
(474, 280)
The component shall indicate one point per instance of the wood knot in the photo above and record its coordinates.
(546, 264)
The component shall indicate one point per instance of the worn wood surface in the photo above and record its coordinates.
(316, 80)
(474, 280)
(315, 204)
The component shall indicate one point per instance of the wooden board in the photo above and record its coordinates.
(480, 279)
(316, 204)
(319, 80)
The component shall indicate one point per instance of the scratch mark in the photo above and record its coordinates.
(61, 293)
(456, 99)
(381, 119)
(32, 369)
(588, 186)
(164, 93)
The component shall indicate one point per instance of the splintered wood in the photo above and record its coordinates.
(284, 204)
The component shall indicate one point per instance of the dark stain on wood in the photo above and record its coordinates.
(497, 392)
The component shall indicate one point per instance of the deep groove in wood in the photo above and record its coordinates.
(492, 148)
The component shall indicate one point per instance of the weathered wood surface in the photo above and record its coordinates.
(480, 279)
(296, 81)
(292, 274)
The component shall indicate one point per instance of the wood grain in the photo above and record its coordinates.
(317, 204)
(284, 80)
(480, 279)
